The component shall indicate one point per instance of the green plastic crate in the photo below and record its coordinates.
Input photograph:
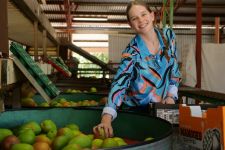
(34, 70)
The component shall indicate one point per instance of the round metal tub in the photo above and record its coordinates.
(127, 125)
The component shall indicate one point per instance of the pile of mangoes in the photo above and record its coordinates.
(46, 136)
(61, 102)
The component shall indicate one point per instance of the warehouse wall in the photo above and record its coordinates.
(117, 43)
(186, 41)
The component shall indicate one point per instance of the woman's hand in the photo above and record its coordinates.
(169, 100)
(105, 125)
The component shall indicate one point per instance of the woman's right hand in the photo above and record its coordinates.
(105, 125)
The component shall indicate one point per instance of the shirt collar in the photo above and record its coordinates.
(162, 46)
(142, 46)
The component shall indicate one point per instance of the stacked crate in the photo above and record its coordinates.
(34, 70)
(59, 64)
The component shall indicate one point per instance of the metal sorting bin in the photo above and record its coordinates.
(127, 125)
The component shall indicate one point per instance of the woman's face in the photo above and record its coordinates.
(140, 19)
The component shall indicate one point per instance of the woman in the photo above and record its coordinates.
(148, 72)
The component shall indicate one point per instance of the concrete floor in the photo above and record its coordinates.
(178, 144)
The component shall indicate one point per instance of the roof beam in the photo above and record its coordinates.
(35, 14)
(211, 14)
(153, 4)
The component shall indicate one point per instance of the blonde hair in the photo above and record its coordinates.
(136, 2)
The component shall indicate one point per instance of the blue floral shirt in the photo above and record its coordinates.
(143, 78)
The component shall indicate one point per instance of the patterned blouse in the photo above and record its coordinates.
(143, 78)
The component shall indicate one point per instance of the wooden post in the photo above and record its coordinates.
(63, 52)
(199, 42)
(164, 13)
(171, 13)
(217, 30)
(44, 35)
(4, 46)
(36, 41)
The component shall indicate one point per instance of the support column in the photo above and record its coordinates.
(217, 30)
(171, 13)
(4, 45)
(199, 42)
(57, 49)
(63, 52)
(44, 38)
(36, 41)
(164, 13)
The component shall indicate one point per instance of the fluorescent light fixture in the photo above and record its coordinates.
(90, 19)
(193, 27)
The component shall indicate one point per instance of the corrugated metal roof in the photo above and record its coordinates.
(114, 11)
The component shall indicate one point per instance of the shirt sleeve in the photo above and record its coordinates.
(175, 78)
(120, 83)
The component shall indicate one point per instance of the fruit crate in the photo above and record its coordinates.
(167, 112)
(33, 72)
(59, 64)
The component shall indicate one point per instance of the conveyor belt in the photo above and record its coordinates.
(204, 95)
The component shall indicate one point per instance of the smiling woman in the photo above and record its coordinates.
(148, 71)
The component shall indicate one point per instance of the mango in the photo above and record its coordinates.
(73, 126)
(120, 141)
(82, 140)
(109, 143)
(65, 131)
(96, 144)
(72, 147)
(148, 139)
(22, 146)
(48, 125)
(28, 102)
(27, 136)
(32, 125)
(101, 133)
(41, 146)
(4, 133)
(43, 138)
(8, 142)
(52, 134)
(59, 142)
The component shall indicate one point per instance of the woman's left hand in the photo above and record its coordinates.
(169, 100)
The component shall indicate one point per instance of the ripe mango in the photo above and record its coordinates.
(43, 138)
(4, 133)
(82, 140)
(28, 102)
(148, 139)
(27, 136)
(48, 125)
(65, 131)
(109, 143)
(59, 142)
(32, 125)
(73, 126)
(41, 146)
(8, 141)
(72, 147)
(120, 141)
(96, 144)
(22, 146)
